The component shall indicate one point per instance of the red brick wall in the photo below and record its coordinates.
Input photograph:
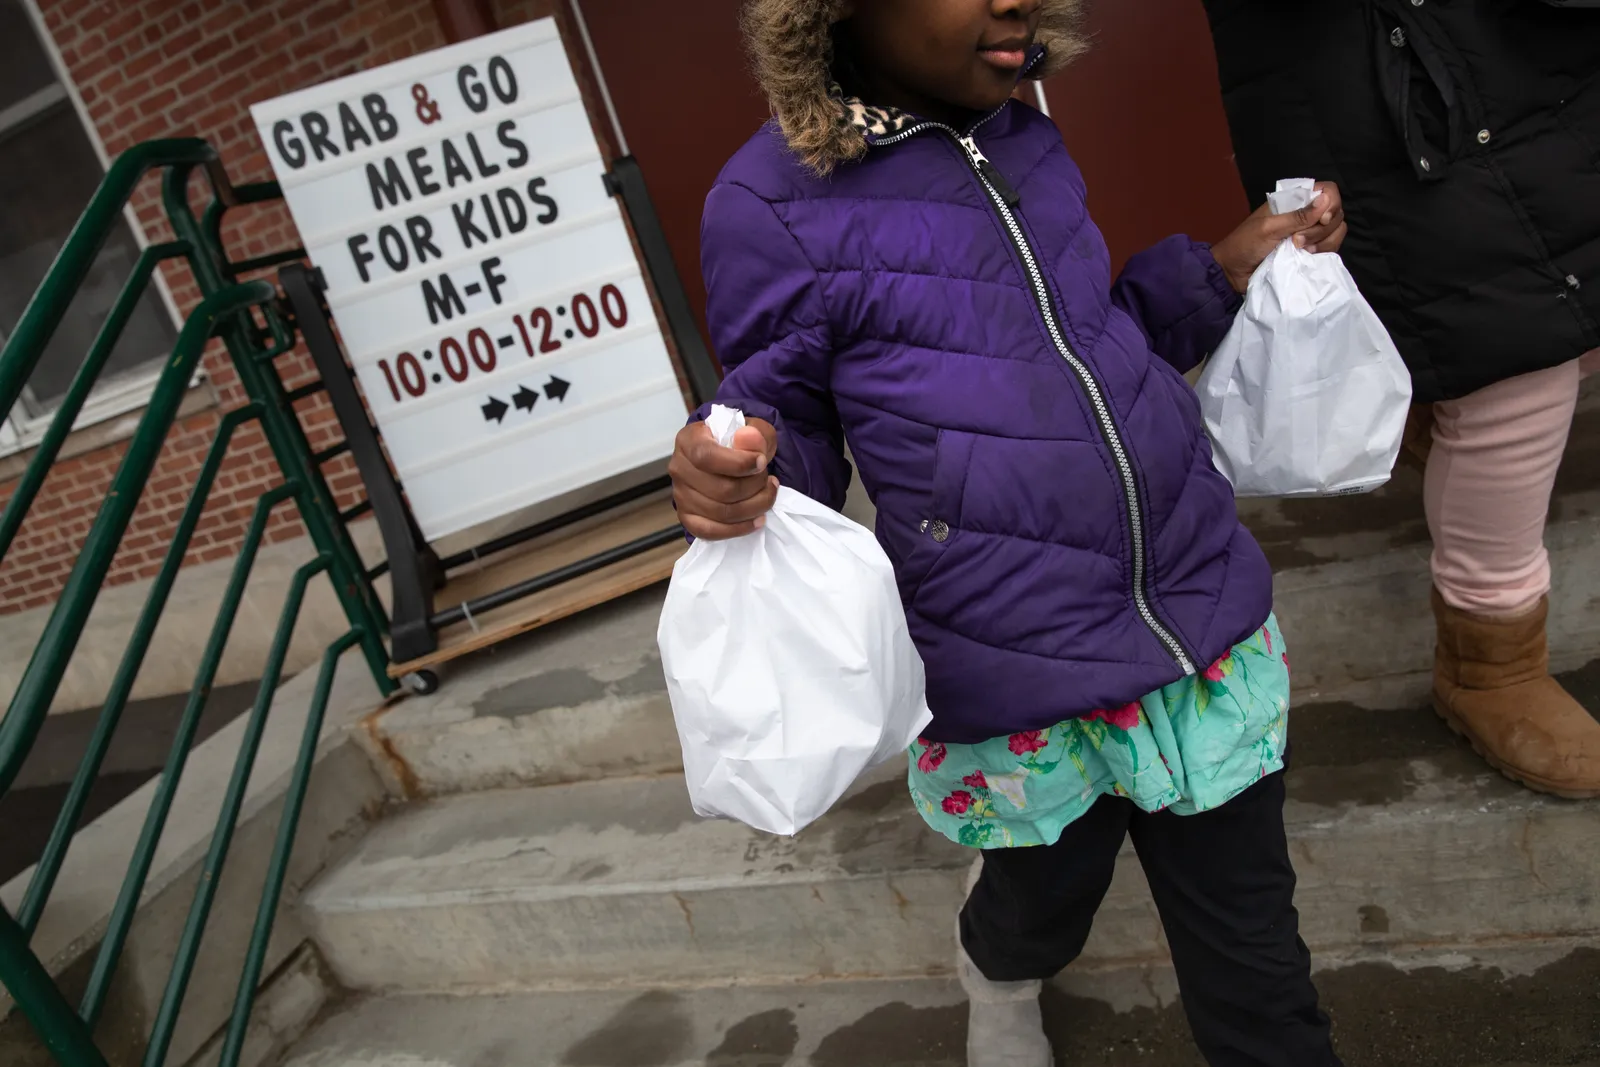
(161, 68)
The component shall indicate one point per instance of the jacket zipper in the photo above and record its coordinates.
(1005, 198)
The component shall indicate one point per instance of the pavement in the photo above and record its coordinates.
(1383, 1017)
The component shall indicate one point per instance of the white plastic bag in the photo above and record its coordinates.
(788, 662)
(1307, 395)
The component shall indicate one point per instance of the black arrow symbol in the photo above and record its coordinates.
(524, 398)
(556, 388)
(495, 410)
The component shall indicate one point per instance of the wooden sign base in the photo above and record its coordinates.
(573, 570)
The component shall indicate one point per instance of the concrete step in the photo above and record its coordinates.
(1402, 838)
(578, 700)
(1509, 1008)
(585, 699)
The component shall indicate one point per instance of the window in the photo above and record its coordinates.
(48, 172)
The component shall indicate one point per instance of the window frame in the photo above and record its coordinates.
(25, 425)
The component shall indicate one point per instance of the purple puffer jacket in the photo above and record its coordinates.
(1043, 483)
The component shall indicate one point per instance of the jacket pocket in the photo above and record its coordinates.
(939, 526)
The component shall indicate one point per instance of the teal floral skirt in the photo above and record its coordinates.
(1190, 747)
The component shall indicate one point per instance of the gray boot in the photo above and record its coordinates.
(1005, 1026)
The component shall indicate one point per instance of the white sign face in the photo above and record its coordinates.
(480, 274)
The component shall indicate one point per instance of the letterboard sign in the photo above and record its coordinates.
(480, 274)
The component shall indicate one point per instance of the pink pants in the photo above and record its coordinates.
(1490, 475)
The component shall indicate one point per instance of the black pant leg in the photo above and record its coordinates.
(1030, 913)
(1224, 885)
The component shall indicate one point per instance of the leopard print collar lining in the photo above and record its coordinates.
(871, 121)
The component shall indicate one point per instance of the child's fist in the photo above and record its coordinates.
(723, 492)
(1319, 227)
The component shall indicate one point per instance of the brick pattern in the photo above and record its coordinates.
(167, 68)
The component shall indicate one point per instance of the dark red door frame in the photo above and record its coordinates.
(462, 20)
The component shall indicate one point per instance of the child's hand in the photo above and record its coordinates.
(723, 493)
(1319, 227)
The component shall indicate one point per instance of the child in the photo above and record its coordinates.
(904, 261)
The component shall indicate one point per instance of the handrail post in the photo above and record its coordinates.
(64, 1034)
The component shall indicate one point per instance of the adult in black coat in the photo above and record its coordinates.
(1465, 135)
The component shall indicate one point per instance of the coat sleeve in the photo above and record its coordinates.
(1180, 297)
(770, 329)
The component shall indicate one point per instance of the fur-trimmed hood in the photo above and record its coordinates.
(791, 46)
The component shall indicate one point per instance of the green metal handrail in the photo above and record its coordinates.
(55, 852)
(214, 273)
(42, 678)
(232, 803)
(78, 392)
(283, 847)
(64, 1035)
(155, 821)
(246, 318)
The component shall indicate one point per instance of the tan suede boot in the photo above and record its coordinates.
(1492, 684)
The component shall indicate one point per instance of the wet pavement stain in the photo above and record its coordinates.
(1382, 1017)
(1343, 754)
(653, 1030)
(765, 1040)
(1373, 785)
(1584, 685)
(883, 846)
(1346, 755)
(1438, 1018)
(1345, 526)
(502, 1053)
(898, 1034)
(649, 678)
(1086, 1031)
(594, 871)
(1345, 735)
(877, 799)
(568, 687)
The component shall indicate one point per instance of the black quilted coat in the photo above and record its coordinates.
(1466, 137)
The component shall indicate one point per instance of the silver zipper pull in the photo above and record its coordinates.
(988, 171)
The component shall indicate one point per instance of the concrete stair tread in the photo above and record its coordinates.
(918, 1021)
(618, 882)
(616, 836)
(1428, 1010)
(634, 834)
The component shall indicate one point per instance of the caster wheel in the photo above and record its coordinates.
(421, 683)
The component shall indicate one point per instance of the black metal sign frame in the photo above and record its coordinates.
(416, 572)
